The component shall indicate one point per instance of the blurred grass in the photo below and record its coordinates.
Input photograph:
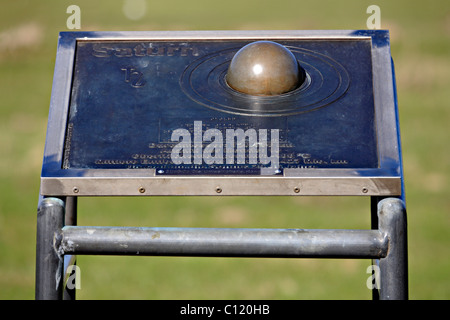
(420, 34)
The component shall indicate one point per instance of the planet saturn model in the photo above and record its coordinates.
(264, 68)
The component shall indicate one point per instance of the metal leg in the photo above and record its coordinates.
(374, 226)
(394, 267)
(71, 211)
(49, 263)
(70, 260)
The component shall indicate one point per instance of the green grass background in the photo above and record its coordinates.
(420, 43)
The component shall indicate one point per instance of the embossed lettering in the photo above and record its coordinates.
(143, 50)
(123, 52)
(140, 50)
(155, 51)
(113, 161)
(171, 51)
(134, 77)
(102, 51)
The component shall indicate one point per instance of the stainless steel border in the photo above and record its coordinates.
(382, 181)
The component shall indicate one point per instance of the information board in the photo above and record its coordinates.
(152, 113)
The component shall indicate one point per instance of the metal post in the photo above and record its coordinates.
(374, 200)
(71, 211)
(70, 260)
(49, 263)
(394, 267)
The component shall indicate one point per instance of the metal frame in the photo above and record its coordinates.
(386, 245)
(59, 239)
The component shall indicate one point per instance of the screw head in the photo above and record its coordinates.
(141, 189)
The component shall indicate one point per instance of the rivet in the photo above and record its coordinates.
(75, 190)
(296, 189)
(365, 190)
(141, 189)
(218, 189)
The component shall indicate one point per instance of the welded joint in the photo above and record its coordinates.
(57, 240)
(50, 220)
(63, 246)
(392, 218)
(394, 267)
(384, 250)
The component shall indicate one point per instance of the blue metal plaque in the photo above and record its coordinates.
(130, 97)
(136, 102)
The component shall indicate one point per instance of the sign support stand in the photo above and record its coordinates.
(156, 113)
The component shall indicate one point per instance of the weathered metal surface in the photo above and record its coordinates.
(294, 243)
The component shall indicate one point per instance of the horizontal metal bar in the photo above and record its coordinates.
(223, 242)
